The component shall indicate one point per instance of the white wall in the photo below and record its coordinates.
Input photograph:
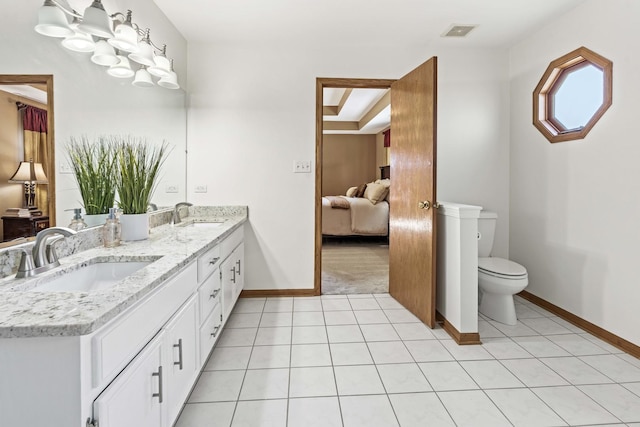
(240, 96)
(575, 205)
(89, 102)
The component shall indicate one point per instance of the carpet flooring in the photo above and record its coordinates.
(355, 266)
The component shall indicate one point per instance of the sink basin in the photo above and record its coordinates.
(203, 224)
(95, 275)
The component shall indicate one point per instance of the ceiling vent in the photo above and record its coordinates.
(458, 30)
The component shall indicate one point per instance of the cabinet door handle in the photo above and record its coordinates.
(214, 260)
(159, 375)
(179, 346)
(238, 263)
(215, 331)
(214, 294)
(233, 279)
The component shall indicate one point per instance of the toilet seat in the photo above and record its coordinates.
(502, 268)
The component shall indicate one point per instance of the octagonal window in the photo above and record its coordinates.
(572, 95)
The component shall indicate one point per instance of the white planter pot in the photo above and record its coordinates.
(94, 220)
(134, 226)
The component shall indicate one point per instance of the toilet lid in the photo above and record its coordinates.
(501, 266)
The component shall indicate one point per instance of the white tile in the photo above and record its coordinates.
(309, 335)
(243, 320)
(249, 305)
(384, 295)
(413, 409)
(389, 303)
(369, 411)
(361, 379)
(413, 331)
(472, 408)
(358, 296)
(570, 326)
(540, 346)
(490, 374)
(344, 333)
(350, 354)
(613, 367)
(274, 336)
(261, 413)
(533, 373)
(518, 330)
(575, 370)
(308, 318)
(602, 344)
(367, 317)
(332, 296)
(306, 304)
(523, 408)
(216, 414)
(335, 304)
(447, 376)
(270, 320)
(228, 358)
(403, 378)
(389, 352)
(217, 386)
(616, 399)
(541, 310)
(574, 406)
(440, 333)
(577, 345)
(633, 387)
(265, 384)
(278, 305)
(487, 330)
(525, 312)
(312, 382)
(545, 326)
(428, 351)
(504, 348)
(401, 316)
(379, 332)
(237, 337)
(467, 352)
(310, 355)
(340, 318)
(314, 412)
(270, 356)
(364, 304)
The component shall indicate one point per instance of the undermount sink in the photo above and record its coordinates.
(95, 275)
(203, 224)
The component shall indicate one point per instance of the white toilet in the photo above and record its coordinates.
(498, 279)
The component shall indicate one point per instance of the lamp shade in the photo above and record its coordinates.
(170, 81)
(144, 55)
(161, 66)
(79, 42)
(29, 172)
(52, 21)
(122, 69)
(125, 38)
(143, 78)
(104, 54)
(96, 21)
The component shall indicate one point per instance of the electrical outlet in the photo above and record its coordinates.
(301, 166)
(201, 189)
(65, 168)
(171, 189)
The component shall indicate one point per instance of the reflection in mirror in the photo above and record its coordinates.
(27, 156)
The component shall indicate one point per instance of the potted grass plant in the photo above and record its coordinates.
(94, 167)
(139, 164)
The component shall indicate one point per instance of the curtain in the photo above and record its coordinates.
(36, 147)
(387, 137)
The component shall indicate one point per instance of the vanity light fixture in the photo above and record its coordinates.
(114, 40)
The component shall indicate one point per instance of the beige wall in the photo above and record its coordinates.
(347, 161)
(10, 155)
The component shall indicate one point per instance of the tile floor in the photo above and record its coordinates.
(365, 361)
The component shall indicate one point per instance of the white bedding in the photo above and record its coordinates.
(362, 219)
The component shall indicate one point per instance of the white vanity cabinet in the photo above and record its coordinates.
(232, 270)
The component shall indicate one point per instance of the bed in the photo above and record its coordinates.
(366, 215)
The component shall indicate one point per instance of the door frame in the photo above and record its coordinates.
(321, 83)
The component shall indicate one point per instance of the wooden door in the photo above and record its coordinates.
(412, 237)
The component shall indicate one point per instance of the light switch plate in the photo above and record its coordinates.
(201, 189)
(302, 166)
(65, 167)
(171, 188)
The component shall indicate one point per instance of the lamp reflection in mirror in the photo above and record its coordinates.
(29, 174)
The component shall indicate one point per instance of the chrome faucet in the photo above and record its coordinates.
(43, 256)
(175, 219)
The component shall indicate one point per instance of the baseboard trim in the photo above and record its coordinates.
(461, 338)
(255, 293)
(603, 334)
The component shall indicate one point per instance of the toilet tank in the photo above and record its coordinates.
(486, 231)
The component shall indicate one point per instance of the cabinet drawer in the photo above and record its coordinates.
(209, 333)
(208, 262)
(231, 242)
(209, 295)
(120, 340)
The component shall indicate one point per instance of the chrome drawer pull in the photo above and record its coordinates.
(214, 260)
(214, 294)
(233, 279)
(159, 375)
(179, 345)
(238, 263)
(215, 331)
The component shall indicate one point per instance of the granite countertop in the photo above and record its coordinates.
(26, 312)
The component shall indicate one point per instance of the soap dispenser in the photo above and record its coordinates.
(77, 223)
(111, 230)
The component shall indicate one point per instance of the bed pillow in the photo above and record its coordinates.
(375, 192)
(386, 182)
(360, 191)
(351, 192)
